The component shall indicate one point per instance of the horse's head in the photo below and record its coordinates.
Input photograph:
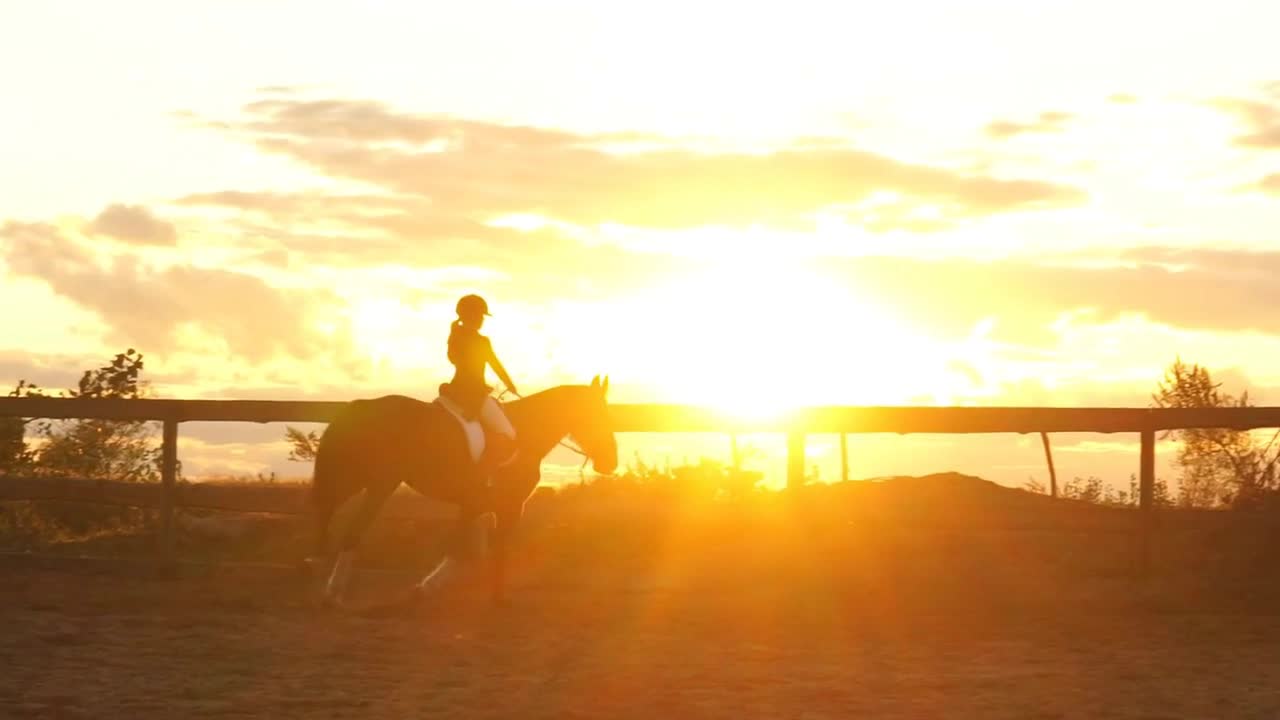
(592, 429)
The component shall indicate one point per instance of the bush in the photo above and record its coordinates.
(119, 451)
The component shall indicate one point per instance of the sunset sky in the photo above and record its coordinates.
(996, 203)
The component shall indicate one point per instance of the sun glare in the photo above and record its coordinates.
(761, 337)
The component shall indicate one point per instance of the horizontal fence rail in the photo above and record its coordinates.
(688, 418)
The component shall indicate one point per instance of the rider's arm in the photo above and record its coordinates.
(501, 371)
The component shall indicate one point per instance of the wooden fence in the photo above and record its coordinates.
(626, 418)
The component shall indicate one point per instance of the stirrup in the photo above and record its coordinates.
(497, 443)
(509, 459)
(489, 464)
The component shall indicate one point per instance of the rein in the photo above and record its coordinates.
(581, 468)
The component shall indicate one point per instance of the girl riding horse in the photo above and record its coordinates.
(470, 352)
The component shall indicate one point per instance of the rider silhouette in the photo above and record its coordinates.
(470, 352)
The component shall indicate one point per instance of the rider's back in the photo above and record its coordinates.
(469, 352)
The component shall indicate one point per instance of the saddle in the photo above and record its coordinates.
(465, 407)
(470, 422)
(466, 401)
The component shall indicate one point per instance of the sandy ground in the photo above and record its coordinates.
(77, 645)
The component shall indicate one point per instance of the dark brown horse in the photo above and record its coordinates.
(375, 445)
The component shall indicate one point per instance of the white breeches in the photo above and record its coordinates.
(494, 419)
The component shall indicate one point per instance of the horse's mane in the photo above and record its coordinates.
(550, 396)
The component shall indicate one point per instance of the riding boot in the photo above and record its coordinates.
(498, 450)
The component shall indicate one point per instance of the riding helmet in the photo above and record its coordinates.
(472, 304)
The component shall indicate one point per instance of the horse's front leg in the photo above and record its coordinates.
(498, 563)
(506, 520)
(439, 574)
(465, 544)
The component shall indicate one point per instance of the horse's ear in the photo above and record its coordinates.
(604, 386)
(595, 381)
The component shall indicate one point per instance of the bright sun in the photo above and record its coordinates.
(757, 339)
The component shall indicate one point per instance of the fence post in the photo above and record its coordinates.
(1048, 457)
(844, 457)
(168, 479)
(1146, 498)
(795, 460)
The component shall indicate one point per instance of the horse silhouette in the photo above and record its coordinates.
(376, 444)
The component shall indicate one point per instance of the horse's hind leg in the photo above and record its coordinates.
(322, 515)
(374, 499)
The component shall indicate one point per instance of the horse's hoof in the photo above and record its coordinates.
(420, 596)
(417, 599)
(306, 568)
